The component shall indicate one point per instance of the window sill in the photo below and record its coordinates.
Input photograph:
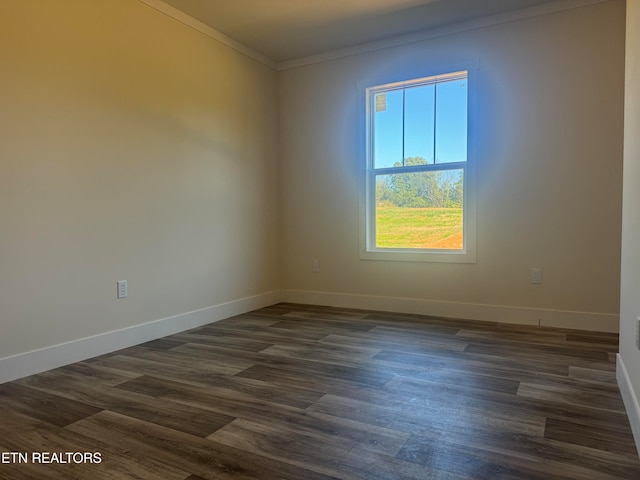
(417, 255)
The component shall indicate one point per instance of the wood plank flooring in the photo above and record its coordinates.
(301, 392)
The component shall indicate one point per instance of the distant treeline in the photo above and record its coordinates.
(435, 189)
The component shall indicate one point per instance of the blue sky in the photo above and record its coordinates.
(450, 100)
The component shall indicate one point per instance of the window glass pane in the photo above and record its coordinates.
(387, 129)
(418, 119)
(451, 121)
(420, 210)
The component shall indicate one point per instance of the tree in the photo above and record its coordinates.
(434, 189)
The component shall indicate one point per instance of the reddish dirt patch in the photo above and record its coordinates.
(453, 242)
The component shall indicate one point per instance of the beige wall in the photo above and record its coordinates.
(131, 147)
(549, 155)
(630, 285)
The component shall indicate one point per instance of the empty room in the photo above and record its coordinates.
(320, 239)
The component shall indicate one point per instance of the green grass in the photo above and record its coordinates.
(399, 227)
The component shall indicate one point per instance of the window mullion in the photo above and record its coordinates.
(404, 117)
(435, 98)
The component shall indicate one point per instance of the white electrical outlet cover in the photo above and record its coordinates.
(123, 289)
(536, 276)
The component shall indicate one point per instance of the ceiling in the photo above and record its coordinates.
(285, 30)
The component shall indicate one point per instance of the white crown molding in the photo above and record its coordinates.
(189, 21)
(474, 24)
(396, 41)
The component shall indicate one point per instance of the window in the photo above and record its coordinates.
(418, 204)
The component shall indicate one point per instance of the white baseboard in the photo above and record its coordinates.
(599, 322)
(629, 398)
(29, 363)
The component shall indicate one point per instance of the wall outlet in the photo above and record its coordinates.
(123, 289)
(315, 266)
(536, 276)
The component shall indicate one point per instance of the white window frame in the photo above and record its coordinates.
(368, 250)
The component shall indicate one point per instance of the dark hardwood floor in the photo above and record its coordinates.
(301, 392)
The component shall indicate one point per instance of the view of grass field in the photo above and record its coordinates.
(402, 227)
